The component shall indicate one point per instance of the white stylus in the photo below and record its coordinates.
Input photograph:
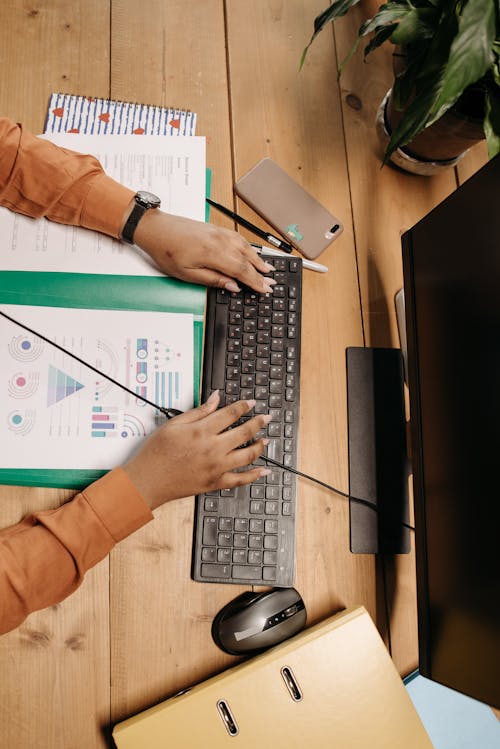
(306, 263)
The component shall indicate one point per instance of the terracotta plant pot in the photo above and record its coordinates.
(441, 145)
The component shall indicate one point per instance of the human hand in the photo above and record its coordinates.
(201, 253)
(193, 453)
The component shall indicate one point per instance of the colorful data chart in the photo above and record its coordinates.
(60, 386)
(22, 385)
(132, 426)
(21, 422)
(25, 348)
(167, 388)
(105, 421)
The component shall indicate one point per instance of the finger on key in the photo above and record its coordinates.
(245, 432)
(244, 456)
(229, 479)
(223, 418)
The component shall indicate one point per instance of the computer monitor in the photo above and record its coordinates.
(451, 263)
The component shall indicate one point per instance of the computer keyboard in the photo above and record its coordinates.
(252, 350)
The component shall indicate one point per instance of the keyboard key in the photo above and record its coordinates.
(209, 531)
(255, 541)
(247, 572)
(271, 542)
(257, 507)
(256, 525)
(271, 526)
(225, 539)
(224, 555)
(240, 540)
(272, 508)
(216, 570)
(211, 504)
(270, 557)
(255, 556)
(209, 554)
(269, 574)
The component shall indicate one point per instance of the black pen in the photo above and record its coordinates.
(251, 227)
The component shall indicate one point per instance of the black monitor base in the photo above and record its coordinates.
(378, 462)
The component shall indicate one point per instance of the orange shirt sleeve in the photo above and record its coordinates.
(38, 178)
(44, 557)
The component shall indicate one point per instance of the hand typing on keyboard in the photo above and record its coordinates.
(201, 253)
(197, 452)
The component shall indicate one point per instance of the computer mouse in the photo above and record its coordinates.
(255, 621)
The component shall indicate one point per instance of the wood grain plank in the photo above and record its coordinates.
(473, 160)
(54, 689)
(296, 119)
(385, 203)
(161, 619)
(51, 46)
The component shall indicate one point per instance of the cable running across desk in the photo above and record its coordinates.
(171, 413)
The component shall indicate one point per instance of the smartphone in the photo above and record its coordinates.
(288, 208)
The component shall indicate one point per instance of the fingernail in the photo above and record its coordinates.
(232, 286)
(269, 266)
(265, 441)
(265, 472)
(251, 403)
(267, 418)
(213, 396)
(272, 281)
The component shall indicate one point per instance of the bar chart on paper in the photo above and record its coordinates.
(63, 410)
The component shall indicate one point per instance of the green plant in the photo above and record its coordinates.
(449, 46)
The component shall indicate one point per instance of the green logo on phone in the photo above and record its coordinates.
(292, 231)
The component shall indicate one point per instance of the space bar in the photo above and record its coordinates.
(219, 347)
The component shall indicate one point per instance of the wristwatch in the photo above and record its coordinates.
(143, 202)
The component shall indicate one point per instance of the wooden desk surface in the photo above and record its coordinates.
(138, 629)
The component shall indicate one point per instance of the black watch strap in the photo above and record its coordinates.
(143, 202)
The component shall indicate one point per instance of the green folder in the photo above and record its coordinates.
(89, 291)
(92, 291)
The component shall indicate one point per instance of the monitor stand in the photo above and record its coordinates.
(378, 461)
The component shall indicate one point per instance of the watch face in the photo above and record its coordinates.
(147, 199)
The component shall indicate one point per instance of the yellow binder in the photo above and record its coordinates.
(332, 685)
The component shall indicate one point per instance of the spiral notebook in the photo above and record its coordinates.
(68, 113)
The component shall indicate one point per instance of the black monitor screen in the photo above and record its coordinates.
(451, 262)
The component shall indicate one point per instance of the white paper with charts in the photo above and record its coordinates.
(57, 413)
(171, 167)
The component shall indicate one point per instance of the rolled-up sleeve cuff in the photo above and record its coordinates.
(105, 206)
(118, 504)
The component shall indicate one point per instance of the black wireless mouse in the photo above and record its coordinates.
(255, 621)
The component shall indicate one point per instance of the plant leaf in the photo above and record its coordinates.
(379, 38)
(336, 10)
(495, 68)
(388, 13)
(470, 54)
(425, 82)
(492, 122)
(404, 83)
(418, 24)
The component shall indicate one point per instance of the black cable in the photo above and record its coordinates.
(168, 412)
(358, 500)
(171, 412)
